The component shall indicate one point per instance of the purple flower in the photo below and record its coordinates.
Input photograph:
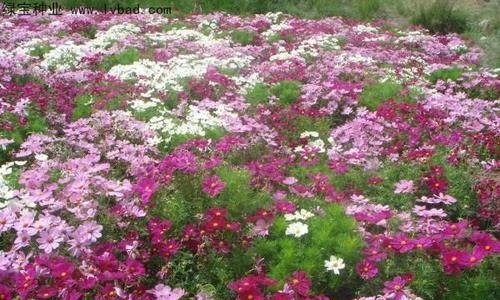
(212, 185)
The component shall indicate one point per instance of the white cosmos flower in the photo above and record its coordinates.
(297, 229)
(334, 264)
(41, 157)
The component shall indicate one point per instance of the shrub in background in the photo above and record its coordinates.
(441, 17)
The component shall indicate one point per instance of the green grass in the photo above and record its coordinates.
(287, 91)
(374, 94)
(243, 37)
(445, 74)
(126, 57)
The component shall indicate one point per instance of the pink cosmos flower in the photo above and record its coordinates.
(212, 185)
(164, 292)
(279, 195)
(212, 162)
(404, 187)
(422, 242)
(486, 242)
(49, 240)
(473, 259)
(7, 219)
(290, 180)
(285, 207)
(89, 232)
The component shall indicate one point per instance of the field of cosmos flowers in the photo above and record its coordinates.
(262, 157)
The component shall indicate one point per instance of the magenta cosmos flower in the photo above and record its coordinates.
(146, 188)
(212, 185)
(395, 287)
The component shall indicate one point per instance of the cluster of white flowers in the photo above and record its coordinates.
(165, 76)
(298, 229)
(104, 39)
(208, 24)
(67, 56)
(315, 143)
(302, 215)
(196, 122)
(63, 57)
(274, 17)
(364, 28)
(275, 29)
(411, 37)
(348, 58)
(308, 48)
(7, 192)
(381, 38)
(458, 48)
(142, 105)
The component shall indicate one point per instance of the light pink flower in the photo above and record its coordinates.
(404, 187)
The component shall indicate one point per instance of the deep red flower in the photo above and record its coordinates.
(244, 284)
(437, 185)
(452, 259)
(158, 226)
(300, 283)
(251, 294)
(221, 246)
(366, 269)
(261, 214)
(375, 181)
